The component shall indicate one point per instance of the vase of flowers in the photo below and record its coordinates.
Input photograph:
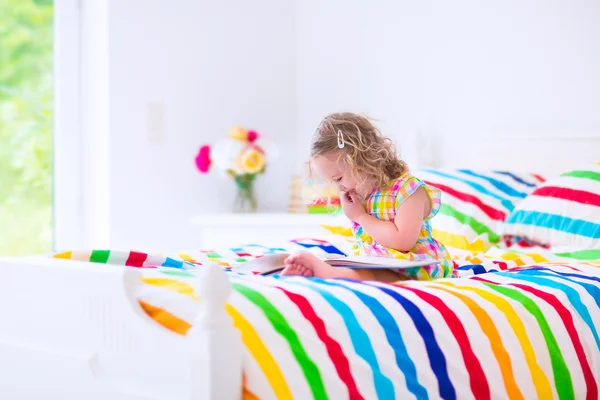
(245, 199)
(242, 155)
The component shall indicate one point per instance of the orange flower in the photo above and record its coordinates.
(252, 161)
(238, 133)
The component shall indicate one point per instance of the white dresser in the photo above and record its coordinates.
(218, 230)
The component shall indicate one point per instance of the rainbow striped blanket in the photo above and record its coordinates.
(524, 333)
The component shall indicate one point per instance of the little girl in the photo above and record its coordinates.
(349, 151)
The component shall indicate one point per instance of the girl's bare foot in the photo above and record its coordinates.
(306, 264)
(293, 268)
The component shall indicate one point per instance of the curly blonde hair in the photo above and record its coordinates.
(371, 157)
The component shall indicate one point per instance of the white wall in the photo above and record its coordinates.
(454, 69)
(212, 64)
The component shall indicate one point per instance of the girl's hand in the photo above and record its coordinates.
(352, 206)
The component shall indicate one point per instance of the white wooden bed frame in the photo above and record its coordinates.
(546, 153)
(72, 330)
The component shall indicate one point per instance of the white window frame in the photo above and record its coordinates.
(81, 125)
(67, 186)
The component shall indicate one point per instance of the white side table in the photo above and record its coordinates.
(224, 230)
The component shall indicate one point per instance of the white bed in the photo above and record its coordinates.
(532, 152)
(72, 330)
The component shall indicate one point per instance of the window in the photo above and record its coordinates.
(26, 127)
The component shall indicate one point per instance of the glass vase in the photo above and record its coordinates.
(245, 199)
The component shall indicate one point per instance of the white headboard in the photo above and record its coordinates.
(547, 154)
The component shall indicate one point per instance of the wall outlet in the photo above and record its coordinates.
(155, 122)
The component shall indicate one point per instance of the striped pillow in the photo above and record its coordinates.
(563, 212)
(475, 204)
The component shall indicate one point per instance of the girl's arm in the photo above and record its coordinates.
(401, 234)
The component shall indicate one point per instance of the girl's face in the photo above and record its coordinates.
(328, 168)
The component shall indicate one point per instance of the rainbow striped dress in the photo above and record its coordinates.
(383, 204)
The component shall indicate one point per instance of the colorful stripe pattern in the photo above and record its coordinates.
(128, 258)
(475, 204)
(227, 258)
(516, 332)
(520, 334)
(564, 211)
(500, 258)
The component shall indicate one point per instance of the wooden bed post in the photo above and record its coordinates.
(215, 344)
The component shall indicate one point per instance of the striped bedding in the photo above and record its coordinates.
(523, 333)
(500, 258)
(475, 204)
(562, 212)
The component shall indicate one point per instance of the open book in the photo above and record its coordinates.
(273, 263)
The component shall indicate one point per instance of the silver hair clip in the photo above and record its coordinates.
(340, 138)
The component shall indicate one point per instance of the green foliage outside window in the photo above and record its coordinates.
(26, 100)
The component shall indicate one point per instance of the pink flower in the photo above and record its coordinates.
(203, 161)
(252, 136)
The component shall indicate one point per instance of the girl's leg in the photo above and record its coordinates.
(298, 263)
